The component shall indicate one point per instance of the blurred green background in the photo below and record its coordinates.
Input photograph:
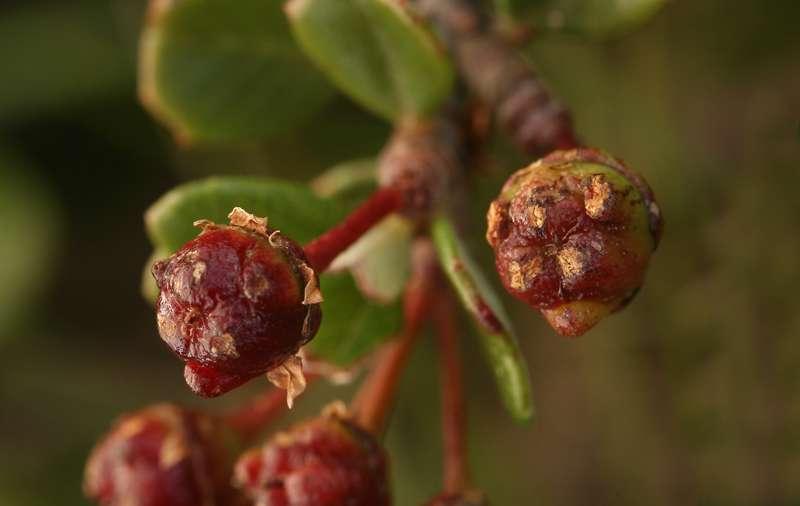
(691, 395)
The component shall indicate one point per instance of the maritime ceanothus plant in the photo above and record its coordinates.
(572, 235)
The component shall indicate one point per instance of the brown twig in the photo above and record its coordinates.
(500, 76)
(423, 160)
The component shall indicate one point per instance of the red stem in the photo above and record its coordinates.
(322, 250)
(454, 416)
(374, 401)
(251, 419)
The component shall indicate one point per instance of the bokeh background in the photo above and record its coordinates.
(690, 396)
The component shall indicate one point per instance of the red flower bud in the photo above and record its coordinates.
(327, 461)
(572, 236)
(163, 455)
(236, 302)
(460, 499)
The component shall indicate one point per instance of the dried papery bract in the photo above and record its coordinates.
(237, 302)
(164, 455)
(327, 461)
(572, 236)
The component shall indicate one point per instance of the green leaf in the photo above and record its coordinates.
(595, 18)
(225, 70)
(351, 325)
(292, 208)
(387, 244)
(497, 337)
(381, 259)
(380, 52)
(354, 179)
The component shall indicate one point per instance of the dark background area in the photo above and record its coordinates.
(691, 395)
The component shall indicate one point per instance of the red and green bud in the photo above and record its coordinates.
(459, 499)
(572, 236)
(236, 302)
(327, 461)
(164, 455)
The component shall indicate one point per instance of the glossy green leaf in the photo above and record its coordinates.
(380, 52)
(497, 337)
(225, 70)
(595, 18)
(351, 325)
(292, 208)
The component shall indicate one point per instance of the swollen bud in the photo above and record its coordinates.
(163, 455)
(572, 236)
(237, 302)
(459, 499)
(327, 461)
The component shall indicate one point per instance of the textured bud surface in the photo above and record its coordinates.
(163, 455)
(572, 235)
(234, 304)
(327, 461)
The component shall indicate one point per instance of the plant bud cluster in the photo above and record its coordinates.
(163, 455)
(572, 236)
(326, 461)
(235, 303)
